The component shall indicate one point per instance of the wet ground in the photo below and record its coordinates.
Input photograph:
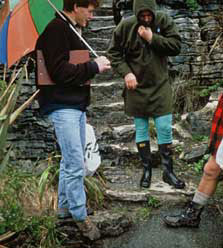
(154, 234)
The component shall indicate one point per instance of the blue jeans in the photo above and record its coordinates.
(69, 125)
(163, 126)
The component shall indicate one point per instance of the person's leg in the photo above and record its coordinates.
(63, 211)
(209, 180)
(143, 146)
(163, 126)
(69, 126)
(164, 135)
(190, 217)
(142, 129)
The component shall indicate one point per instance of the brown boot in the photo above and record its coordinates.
(88, 229)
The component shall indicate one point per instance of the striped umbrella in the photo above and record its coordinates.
(21, 22)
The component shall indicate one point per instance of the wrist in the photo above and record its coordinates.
(150, 39)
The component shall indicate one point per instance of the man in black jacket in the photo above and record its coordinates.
(65, 103)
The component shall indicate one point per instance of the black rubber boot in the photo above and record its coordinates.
(145, 155)
(189, 217)
(167, 163)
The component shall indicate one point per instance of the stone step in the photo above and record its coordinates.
(99, 27)
(100, 44)
(109, 223)
(100, 32)
(123, 185)
(105, 93)
(102, 18)
(108, 108)
(106, 4)
(113, 118)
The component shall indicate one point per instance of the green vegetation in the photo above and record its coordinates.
(198, 166)
(200, 138)
(153, 202)
(192, 4)
(178, 149)
(144, 212)
(18, 189)
(212, 88)
(8, 114)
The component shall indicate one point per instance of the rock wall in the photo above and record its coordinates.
(201, 61)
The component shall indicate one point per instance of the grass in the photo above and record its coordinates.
(28, 203)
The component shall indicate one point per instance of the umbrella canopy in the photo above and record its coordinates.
(25, 21)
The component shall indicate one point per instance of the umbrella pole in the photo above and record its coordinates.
(75, 31)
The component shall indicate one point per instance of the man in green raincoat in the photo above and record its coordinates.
(139, 52)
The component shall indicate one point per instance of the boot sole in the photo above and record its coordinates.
(182, 225)
(175, 225)
(145, 186)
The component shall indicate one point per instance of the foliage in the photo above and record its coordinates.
(12, 214)
(95, 191)
(192, 4)
(42, 230)
(178, 149)
(8, 98)
(49, 176)
(186, 95)
(212, 88)
(198, 166)
(200, 138)
(15, 184)
(94, 185)
(19, 190)
(153, 202)
(143, 213)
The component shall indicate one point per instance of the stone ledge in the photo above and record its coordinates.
(159, 189)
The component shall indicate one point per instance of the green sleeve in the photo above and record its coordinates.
(168, 42)
(116, 51)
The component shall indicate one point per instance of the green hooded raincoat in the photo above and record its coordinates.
(128, 52)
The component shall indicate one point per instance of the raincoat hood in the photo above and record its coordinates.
(140, 5)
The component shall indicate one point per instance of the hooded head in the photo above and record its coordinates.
(142, 8)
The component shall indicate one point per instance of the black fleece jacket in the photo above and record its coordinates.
(70, 89)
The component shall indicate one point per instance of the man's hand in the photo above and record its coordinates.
(103, 63)
(145, 33)
(130, 81)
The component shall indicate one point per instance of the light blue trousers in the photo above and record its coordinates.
(163, 126)
(70, 127)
